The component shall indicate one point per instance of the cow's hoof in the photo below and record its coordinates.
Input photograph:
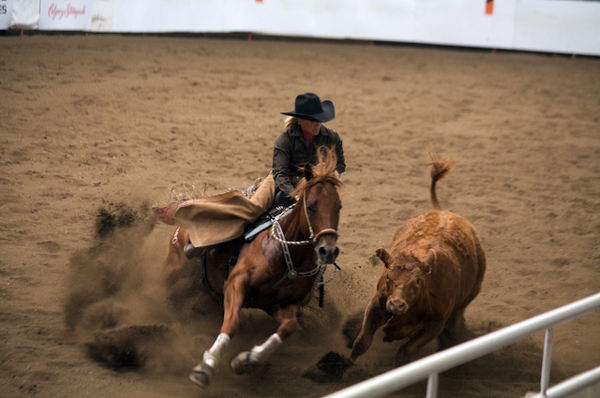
(242, 364)
(201, 375)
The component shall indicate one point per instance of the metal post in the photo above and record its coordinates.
(546, 361)
(432, 385)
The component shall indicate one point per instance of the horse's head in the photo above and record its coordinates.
(318, 193)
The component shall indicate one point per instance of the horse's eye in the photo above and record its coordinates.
(311, 208)
(418, 281)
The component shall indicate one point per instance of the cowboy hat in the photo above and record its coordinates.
(310, 107)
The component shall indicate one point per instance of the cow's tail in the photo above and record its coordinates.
(439, 169)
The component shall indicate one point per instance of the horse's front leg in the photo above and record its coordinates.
(234, 297)
(247, 361)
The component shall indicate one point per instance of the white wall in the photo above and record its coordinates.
(561, 26)
(571, 27)
(24, 14)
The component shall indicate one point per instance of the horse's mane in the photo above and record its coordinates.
(323, 171)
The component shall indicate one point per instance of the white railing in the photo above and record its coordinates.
(430, 367)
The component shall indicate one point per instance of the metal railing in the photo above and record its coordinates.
(430, 367)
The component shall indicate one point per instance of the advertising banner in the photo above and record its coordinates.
(5, 14)
(65, 14)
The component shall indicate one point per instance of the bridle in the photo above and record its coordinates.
(278, 234)
(312, 238)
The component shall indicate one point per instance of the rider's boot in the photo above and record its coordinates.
(191, 251)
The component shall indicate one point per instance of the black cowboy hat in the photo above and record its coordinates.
(310, 107)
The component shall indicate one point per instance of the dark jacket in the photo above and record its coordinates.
(291, 152)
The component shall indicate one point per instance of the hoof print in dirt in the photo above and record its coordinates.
(126, 348)
(330, 368)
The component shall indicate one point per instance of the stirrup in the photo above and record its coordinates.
(191, 251)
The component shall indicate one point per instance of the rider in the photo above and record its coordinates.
(213, 220)
(297, 144)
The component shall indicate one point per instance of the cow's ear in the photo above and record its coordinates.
(384, 256)
(308, 172)
(429, 263)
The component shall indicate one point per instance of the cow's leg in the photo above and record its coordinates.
(247, 361)
(374, 318)
(422, 337)
(234, 297)
(453, 329)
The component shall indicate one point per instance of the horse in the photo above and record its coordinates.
(275, 272)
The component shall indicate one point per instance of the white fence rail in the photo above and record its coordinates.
(430, 367)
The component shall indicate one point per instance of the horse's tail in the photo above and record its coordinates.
(439, 169)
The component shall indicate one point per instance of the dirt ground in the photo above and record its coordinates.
(94, 129)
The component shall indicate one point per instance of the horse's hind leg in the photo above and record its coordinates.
(176, 263)
(247, 361)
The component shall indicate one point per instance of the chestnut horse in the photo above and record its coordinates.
(275, 272)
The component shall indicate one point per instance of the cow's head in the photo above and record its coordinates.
(405, 279)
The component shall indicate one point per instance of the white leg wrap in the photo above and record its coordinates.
(259, 354)
(212, 356)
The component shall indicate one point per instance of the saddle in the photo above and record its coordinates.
(252, 230)
(265, 221)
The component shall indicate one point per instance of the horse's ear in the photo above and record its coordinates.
(308, 172)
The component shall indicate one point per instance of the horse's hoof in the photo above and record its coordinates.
(241, 364)
(200, 375)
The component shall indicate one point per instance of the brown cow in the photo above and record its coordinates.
(433, 270)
